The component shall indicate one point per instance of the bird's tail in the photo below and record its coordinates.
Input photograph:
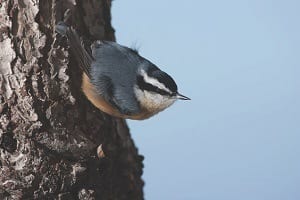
(61, 28)
(77, 48)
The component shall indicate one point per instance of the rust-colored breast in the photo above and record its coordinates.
(98, 101)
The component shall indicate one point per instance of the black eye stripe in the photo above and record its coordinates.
(146, 86)
(164, 78)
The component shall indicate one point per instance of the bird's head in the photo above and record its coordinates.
(156, 90)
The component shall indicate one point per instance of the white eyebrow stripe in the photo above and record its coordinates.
(154, 82)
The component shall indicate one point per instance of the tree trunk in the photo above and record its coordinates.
(53, 143)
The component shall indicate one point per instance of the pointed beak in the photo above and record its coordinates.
(182, 97)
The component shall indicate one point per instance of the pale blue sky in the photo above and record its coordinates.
(239, 61)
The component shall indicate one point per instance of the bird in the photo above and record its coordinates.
(118, 81)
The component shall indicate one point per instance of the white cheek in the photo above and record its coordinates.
(153, 102)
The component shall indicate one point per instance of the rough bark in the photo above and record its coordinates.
(53, 143)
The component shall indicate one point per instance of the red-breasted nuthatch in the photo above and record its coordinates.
(118, 81)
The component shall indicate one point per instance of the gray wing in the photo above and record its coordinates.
(113, 72)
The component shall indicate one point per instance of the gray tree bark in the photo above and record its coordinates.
(53, 143)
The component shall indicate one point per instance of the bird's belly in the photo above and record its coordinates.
(98, 101)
